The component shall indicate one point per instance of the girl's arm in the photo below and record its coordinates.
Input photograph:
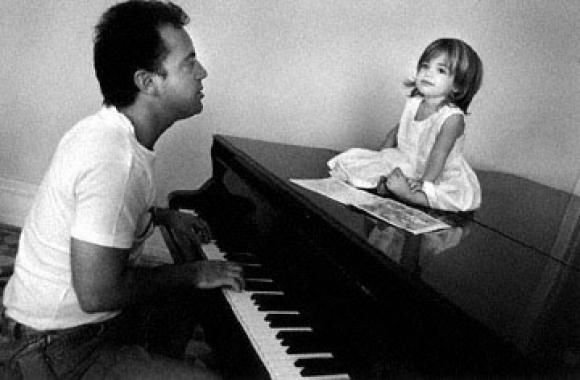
(391, 138)
(451, 130)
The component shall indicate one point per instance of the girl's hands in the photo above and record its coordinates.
(397, 182)
(406, 189)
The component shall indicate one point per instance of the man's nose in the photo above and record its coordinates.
(200, 72)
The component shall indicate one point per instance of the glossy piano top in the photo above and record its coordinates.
(530, 213)
(533, 214)
(511, 265)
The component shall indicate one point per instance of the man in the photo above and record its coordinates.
(66, 304)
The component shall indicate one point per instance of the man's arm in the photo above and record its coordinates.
(103, 281)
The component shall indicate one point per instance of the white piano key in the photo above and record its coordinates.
(279, 364)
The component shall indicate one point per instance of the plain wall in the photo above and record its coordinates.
(324, 73)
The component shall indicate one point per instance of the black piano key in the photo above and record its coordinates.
(297, 335)
(241, 257)
(263, 286)
(300, 342)
(270, 302)
(305, 347)
(319, 366)
(255, 271)
(286, 320)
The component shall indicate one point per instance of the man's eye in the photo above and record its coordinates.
(191, 63)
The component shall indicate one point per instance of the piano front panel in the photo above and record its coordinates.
(381, 318)
(468, 300)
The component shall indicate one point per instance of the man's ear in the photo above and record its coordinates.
(146, 81)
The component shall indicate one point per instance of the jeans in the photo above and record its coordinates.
(59, 354)
(138, 344)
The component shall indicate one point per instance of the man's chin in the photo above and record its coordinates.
(198, 110)
(192, 112)
(195, 110)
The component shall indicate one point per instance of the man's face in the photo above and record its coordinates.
(181, 89)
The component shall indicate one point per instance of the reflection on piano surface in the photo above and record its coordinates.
(479, 299)
(413, 251)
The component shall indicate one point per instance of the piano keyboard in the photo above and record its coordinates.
(282, 338)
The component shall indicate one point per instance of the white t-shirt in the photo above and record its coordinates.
(98, 189)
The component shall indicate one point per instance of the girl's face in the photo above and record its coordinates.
(434, 79)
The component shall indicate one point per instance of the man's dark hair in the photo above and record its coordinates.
(127, 39)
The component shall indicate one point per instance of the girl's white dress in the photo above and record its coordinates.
(456, 189)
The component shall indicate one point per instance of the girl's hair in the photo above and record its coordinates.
(464, 65)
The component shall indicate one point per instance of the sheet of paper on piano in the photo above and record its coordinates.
(389, 210)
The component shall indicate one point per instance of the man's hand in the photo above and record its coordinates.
(184, 223)
(216, 273)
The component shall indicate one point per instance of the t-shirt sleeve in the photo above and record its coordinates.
(108, 204)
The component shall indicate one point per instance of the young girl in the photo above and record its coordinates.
(422, 161)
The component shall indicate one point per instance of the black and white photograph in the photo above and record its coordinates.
(284, 190)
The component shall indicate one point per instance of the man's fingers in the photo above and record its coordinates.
(235, 272)
(233, 284)
(238, 284)
(201, 228)
(232, 275)
(235, 268)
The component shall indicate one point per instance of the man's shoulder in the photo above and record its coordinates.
(93, 141)
(101, 122)
(98, 131)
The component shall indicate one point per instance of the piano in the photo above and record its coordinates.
(352, 297)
